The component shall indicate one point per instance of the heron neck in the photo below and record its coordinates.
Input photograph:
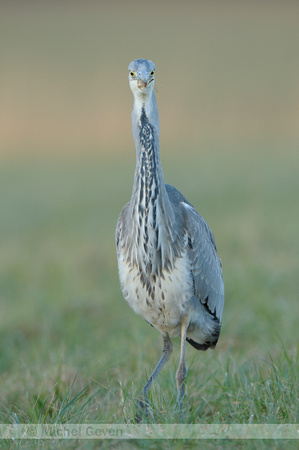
(145, 129)
(152, 217)
(145, 117)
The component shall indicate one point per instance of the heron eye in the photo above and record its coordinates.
(132, 74)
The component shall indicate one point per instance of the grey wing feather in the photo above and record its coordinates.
(120, 227)
(204, 262)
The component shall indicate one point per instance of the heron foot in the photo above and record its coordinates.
(142, 409)
(181, 375)
(180, 404)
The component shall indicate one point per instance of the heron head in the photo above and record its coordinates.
(142, 76)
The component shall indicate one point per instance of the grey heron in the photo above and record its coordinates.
(169, 270)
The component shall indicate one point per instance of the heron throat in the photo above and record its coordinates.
(151, 210)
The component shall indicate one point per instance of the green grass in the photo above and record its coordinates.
(71, 349)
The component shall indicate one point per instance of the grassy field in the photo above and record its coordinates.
(71, 349)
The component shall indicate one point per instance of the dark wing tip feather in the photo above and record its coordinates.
(204, 346)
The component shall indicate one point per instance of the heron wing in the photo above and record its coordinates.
(202, 252)
(204, 262)
(121, 224)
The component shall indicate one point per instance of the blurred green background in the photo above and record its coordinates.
(227, 84)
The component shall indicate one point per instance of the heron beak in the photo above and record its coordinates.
(142, 84)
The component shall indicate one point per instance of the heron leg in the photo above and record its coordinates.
(181, 372)
(167, 350)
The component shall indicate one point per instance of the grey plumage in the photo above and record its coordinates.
(168, 265)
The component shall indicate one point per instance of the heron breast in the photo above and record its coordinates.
(161, 298)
